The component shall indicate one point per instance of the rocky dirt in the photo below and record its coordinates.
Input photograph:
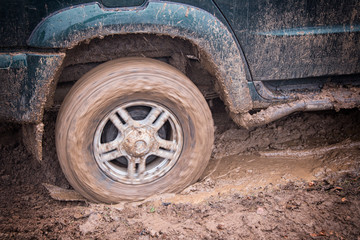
(296, 178)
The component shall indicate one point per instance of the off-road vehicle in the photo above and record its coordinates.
(132, 78)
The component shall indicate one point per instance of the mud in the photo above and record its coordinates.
(329, 98)
(175, 51)
(25, 89)
(296, 178)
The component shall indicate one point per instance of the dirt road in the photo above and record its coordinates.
(297, 178)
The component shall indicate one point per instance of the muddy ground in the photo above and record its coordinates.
(296, 178)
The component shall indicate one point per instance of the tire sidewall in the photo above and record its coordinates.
(93, 107)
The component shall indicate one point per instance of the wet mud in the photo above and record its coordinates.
(296, 178)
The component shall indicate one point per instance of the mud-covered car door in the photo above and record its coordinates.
(296, 39)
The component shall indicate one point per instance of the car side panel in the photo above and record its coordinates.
(18, 18)
(296, 39)
(26, 81)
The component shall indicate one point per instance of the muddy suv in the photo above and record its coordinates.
(131, 79)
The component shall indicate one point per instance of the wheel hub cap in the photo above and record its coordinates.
(138, 142)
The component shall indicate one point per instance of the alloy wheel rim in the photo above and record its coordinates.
(138, 142)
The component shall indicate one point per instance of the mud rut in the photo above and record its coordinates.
(296, 178)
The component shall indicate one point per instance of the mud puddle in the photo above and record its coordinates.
(267, 170)
(271, 168)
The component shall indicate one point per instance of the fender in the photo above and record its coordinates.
(27, 78)
(69, 27)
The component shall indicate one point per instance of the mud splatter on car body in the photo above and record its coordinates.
(237, 42)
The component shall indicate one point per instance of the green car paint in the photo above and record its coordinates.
(296, 38)
(26, 83)
(122, 4)
(12, 61)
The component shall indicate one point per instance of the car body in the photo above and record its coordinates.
(274, 56)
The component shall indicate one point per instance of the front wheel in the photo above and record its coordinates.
(131, 128)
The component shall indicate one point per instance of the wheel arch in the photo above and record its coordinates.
(216, 46)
